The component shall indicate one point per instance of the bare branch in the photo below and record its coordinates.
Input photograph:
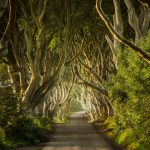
(120, 38)
(85, 82)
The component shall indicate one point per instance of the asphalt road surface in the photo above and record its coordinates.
(76, 135)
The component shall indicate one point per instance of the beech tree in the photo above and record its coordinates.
(134, 24)
(44, 40)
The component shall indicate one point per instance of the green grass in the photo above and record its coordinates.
(13, 143)
(57, 120)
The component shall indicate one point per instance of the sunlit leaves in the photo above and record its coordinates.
(130, 92)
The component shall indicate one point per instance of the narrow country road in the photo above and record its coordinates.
(76, 135)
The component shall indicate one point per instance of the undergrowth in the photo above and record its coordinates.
(129, 91)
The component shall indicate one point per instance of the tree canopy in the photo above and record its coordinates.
(54, 53)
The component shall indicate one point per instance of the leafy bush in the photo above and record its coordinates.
(124, 137)
(8, 106)
(43, 122)
(29, 129)
(129, 91)
(16, 128)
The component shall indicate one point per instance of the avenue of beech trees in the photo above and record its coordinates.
(60, 55)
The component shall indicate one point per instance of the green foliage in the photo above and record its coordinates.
(16, 129)
(29, 129)
(60, 121)
(124, 136)
(23, 128)
(8, 106)
(110, 123)
(143, 147)
(2, 135)
(3, 73)
(21, 24)
(129, 91)
(43, 122)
